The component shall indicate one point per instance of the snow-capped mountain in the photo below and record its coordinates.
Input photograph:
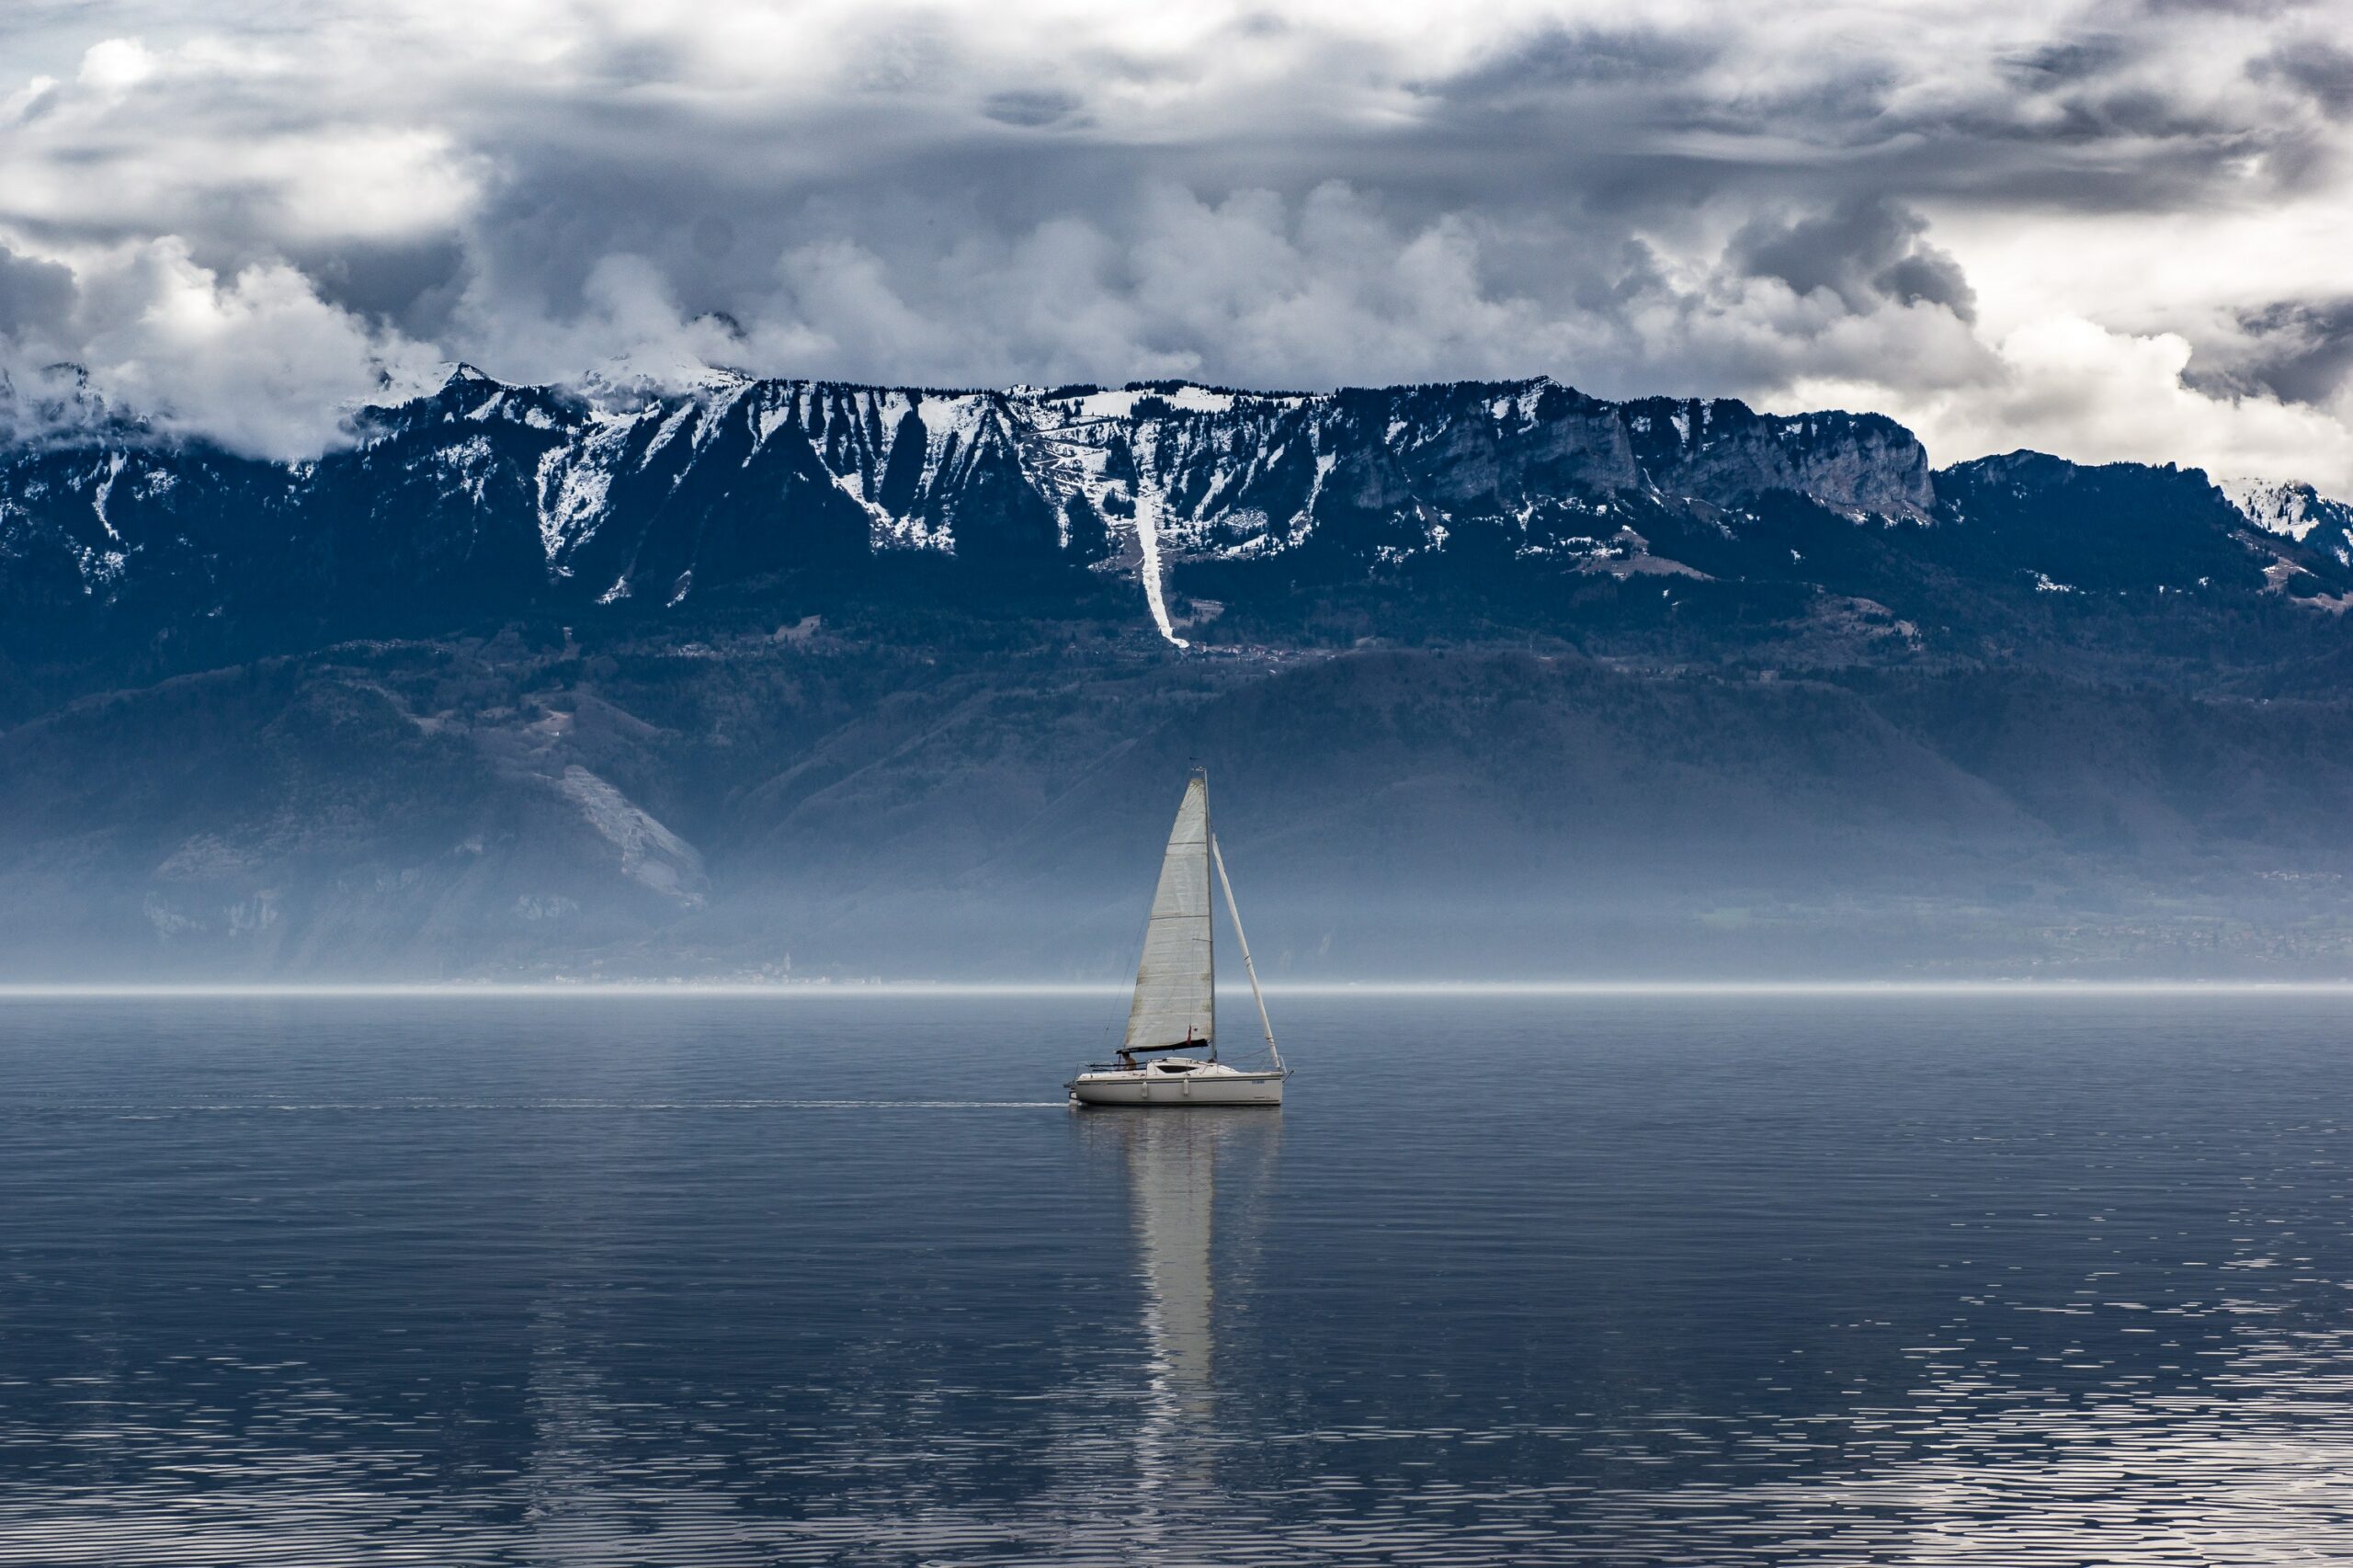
(490, 489)
(485, 497)
(2296, 510)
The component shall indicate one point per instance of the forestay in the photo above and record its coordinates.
(1175, 992)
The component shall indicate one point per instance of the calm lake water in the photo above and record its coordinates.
(714, 1281)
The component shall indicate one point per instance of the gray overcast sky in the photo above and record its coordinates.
(2110, 230)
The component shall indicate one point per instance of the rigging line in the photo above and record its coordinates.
(1217, 857)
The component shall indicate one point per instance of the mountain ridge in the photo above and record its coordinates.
(507, 496)
(744, 475)
(794, 676)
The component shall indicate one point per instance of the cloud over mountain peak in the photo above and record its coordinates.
(2106, 228)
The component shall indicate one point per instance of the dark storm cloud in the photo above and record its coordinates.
(1558, 60)
(1030, 106)
(2067, 61)
(1631, 119)
(2299, 350)
(1864, 252)
(2315, 66)
(34, 295)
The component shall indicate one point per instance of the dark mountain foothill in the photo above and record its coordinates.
(1501, 680)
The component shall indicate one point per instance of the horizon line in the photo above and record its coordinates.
(810, 989)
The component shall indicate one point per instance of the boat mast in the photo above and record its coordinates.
(1217, 857)
(1208, 916)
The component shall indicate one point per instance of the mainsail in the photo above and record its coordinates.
(1176, 989)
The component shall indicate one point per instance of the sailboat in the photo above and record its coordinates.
(1176, 1000)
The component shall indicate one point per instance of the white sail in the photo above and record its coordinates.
(1175, 992)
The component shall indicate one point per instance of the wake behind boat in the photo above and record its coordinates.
(1176, 1002)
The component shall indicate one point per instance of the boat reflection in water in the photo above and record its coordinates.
(1198, 1187)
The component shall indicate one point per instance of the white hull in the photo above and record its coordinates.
(1213, 1085)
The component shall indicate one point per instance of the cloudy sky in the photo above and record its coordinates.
(2111, 230)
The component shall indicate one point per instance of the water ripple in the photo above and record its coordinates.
(1629, 1282)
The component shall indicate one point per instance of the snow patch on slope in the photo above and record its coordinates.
(1121, 404)
(466, 468)
(574, 484)
(1148, 540)
(2282, 506)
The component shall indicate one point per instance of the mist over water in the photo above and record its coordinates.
(1571, 1277)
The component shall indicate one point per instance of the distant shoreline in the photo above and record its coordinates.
(812, 990)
